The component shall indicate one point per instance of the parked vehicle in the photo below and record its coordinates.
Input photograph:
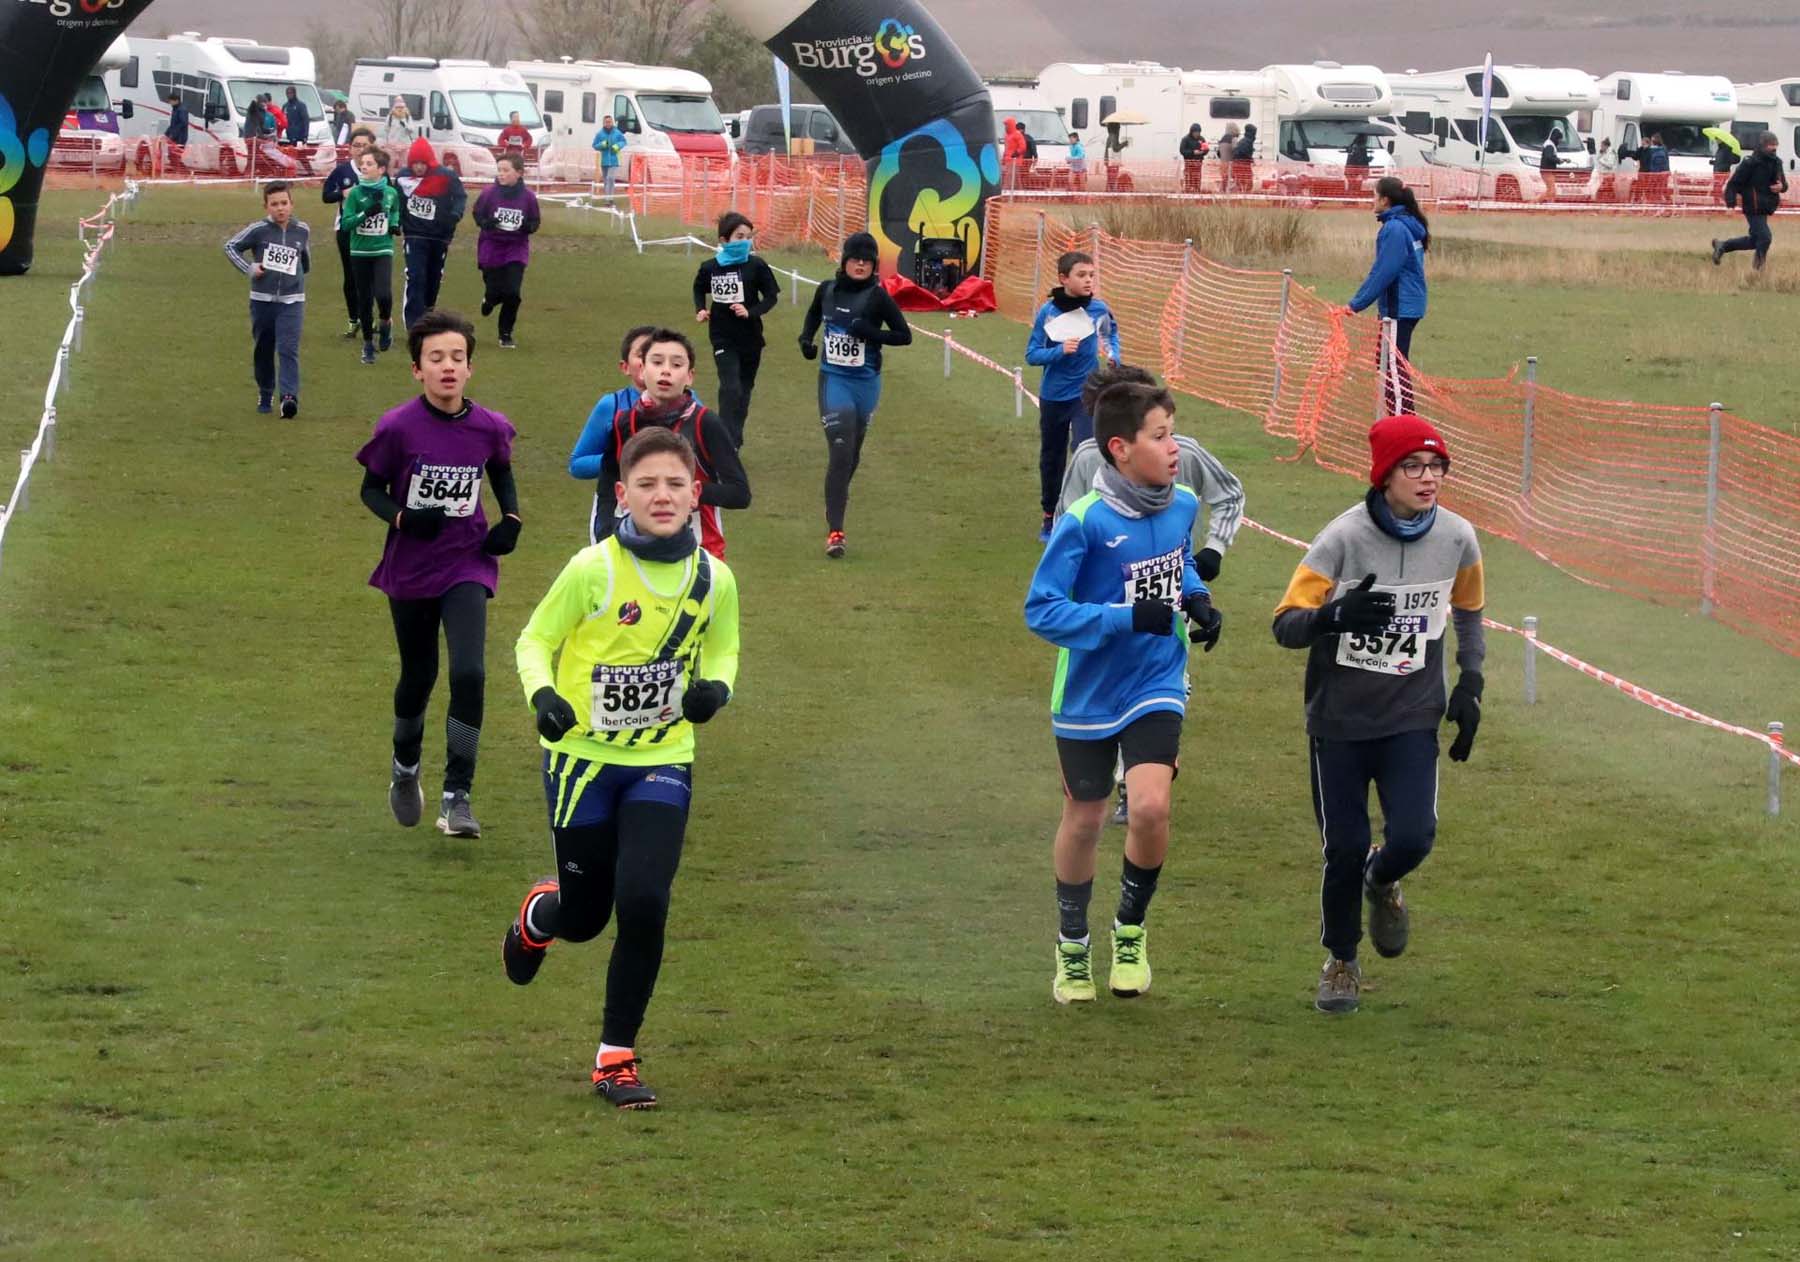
(814, 131)
(1772, 106)
(89, 139)
(666, 113)
(1025, 101)
(460, 105)
(1633, 106)
(217, 78)
(1438, 116)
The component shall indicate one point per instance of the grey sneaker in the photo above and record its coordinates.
(1388, 922)
(1340, 982)
(455, 818)
(1121, 813)
(405, 798)
(1718, 250)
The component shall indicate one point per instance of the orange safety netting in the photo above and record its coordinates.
(1641, 498)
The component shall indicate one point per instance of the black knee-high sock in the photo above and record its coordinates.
(1072, 909)
(1136, 886)
(409, 735)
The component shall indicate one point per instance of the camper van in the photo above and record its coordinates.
(1024, 100)
(1438, 117)
(1772, 107)
(217, 79)
(1310, 114)
(667, 114)
(460, 105)
(89, 139)
(1634, 105)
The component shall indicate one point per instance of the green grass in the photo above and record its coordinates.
(246, 1016)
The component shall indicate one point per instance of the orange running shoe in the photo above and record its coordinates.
(522, 954)
(834, 544)
(617, 1081)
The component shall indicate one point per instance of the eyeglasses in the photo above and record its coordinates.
(1415, 469)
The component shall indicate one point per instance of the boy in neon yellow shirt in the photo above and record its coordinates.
(643, 630)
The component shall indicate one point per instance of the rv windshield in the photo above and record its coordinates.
(495, 109)
(1683, 140)
(669, 111)
(1530, 131)
(1045, 126)
(91, 95)
(242, 90)
(1337, 133)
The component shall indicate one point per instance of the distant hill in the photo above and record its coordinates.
(1744, 41)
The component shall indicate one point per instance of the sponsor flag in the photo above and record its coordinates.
(1487, 102)
(784, 92)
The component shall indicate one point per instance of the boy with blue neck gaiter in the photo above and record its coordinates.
(733, 291)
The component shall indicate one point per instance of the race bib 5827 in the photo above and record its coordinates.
(452, 487)
(1420, 613)
(727, 288)
(281, 258)
(1155, 578)
(630, 697)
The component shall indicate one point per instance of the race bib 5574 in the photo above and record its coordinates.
(1420, 613)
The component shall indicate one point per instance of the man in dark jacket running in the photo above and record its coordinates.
(1759, 182)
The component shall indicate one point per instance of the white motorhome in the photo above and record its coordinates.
(217, 79)
(1633, 106)
(1772, 106)
(89, 139)
(459, 105)
(667, 114)
(1309, 114)
(1438, 116)
(1024, 100)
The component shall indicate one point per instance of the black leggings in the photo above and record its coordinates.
(627, 862)
(462, 612)
(374, 289)
(343, 244)
(737, 367)
(503, 286)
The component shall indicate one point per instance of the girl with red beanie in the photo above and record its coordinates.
(1370, 602)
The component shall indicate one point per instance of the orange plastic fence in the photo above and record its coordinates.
(1678, 505)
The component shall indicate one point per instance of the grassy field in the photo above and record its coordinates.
(247, 1017)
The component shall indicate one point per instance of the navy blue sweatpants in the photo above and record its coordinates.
(1403, 769)
(1062, 426)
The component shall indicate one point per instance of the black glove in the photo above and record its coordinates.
(1207, 561)
(809, 350)
(703, 699)
(503, 538)
(1152, 617)
(1465, 711)
(863, 328)
(555, 716)
(1205, 621)
(421, 523)
(1358, 609)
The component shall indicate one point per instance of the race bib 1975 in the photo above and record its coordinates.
(1155, 578)
(627, 698)
(1400, 648)
(281, 258)
(727, 288)
(452, 487)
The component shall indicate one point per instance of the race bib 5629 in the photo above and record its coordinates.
(727, 288)
(1420, 613)
(454, 488)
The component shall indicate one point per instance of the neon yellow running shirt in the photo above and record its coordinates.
(621, 639)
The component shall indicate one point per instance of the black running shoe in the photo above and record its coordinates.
(263, 404)
(1389, 924)
(290, 407)
(522, 954)
(387, 335)
(368, 352)
(507, 343)
(619, 1084)
(405, 798)
(487, 308)
(455, 819)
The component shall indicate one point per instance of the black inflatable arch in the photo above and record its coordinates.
(903, 92)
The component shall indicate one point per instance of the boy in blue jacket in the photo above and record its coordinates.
(1118, 568)
(1065, 342)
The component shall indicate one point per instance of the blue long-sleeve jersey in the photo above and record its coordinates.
(590, 447)
(1099, 561)
(1064, 375)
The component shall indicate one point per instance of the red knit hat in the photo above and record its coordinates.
(1394, 438)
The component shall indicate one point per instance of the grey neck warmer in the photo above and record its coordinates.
(1129, 498)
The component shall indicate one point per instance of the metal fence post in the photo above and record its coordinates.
(1531, 628)
(1187, 256)
(1094, 249)
(948, 339)
(794, 293)
(62, 369)
(1018, 390)
(841, 225)
(1709, 541)
(1287, 285)
(49, 447)
(23, 499)
(80, 319)
(1531, 362)
(1386, 369)
(1775, 730)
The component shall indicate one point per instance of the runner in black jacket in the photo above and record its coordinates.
(733, 291)
(1759, 182)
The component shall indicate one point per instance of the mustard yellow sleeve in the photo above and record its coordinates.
(1308, 589)
(1469, 591)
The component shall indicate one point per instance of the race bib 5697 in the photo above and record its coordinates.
(281, 258)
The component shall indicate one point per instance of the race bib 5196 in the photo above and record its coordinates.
(454, 488)
(1399, 649)
(844, 351)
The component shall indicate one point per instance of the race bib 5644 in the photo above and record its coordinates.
(452, 487)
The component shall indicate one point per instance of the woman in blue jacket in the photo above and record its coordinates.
(1397, 280)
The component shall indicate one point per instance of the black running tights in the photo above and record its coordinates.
(462, 612)
(374, 289)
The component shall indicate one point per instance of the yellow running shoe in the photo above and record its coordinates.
(1074, 974)
(1131, 962)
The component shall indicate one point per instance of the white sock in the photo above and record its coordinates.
(531, 927)
(1083, 939)
(606, 1048)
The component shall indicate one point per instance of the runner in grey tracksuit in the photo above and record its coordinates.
(1370, 602)
(280, 255)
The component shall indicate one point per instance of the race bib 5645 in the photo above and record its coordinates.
(509, 219)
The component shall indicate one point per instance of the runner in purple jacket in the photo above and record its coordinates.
(507, 213)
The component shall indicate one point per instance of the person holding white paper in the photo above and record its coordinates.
(1066, 341)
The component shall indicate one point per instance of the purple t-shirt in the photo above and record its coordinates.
(430, 461)
(508, 217)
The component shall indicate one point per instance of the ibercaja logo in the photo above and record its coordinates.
(893, 46)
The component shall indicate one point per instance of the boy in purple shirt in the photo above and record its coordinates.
(423, 469)
(507, 213)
